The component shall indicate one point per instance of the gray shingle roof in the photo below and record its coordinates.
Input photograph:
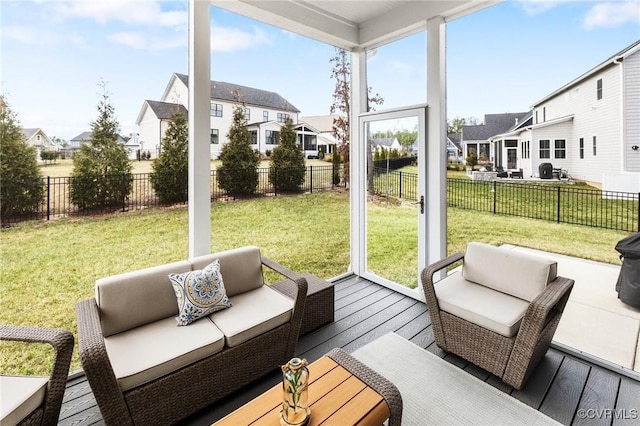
(248, 95)
(164, 110)
(86, 137)
(494, 124)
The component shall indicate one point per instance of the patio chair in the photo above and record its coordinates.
(32, 400)
(500, 312)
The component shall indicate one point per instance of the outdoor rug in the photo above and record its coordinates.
(434, 392)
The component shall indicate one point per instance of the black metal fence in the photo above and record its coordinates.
(560, 203)
(57, 202)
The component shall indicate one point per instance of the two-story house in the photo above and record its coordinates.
(590, 127)
(38, 139)
(265, 112)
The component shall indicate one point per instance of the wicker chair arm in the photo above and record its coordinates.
(286, 272)
(374, 380)
(62, 342)
(554, 296)
(300, 300)
(97, 367)
(429, 272)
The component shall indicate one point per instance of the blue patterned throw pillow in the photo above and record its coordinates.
(199, 293)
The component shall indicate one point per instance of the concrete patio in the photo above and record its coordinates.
(595, 322)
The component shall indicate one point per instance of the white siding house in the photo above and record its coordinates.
(590, 126)
(262, 107)
(38, 139)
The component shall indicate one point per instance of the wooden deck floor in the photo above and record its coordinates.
(568, 389)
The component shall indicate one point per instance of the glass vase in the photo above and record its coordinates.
(295, 382)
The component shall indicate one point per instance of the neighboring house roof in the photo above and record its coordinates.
(86, 137)
(494, 124)
(165, 110)
(248, 95)
(31, 137)
(383, 141)
(634, 47)
(455, 140)
(324, 123)
(82, 137)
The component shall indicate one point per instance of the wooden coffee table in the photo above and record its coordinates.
(342, 391)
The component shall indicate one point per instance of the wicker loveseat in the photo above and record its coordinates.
(145, 369)
(500, 312)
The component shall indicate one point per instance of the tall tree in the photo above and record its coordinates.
(170, 177)
(287, 160)
(238, 173)
(341, 73)
(21, 186)
(101, 174)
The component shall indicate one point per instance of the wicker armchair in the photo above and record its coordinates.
(47, 412)
(510, 354)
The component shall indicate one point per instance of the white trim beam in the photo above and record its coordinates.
(199, 155)
(436, 196)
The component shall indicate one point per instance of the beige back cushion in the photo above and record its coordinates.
(518, 274)
(136, 298)
(241, 268)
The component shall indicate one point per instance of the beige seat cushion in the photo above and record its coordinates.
(19, 396)
(493, 310)
(137, 298)
(252, 314)
(154, 350)
(518, 274)
(241, 268)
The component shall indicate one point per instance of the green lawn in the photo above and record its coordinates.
(47, 267)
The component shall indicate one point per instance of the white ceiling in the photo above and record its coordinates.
(352, 23)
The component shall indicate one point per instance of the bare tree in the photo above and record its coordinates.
(341, 73)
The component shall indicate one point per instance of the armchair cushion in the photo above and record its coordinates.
(151, 351)
(493, 310)
(20, 396)
(517, 274)
(199, 293)
(254, 313)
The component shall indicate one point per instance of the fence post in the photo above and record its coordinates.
(558, 213)
(400, 185)
(275, 181)
(495, 196)
(311, 179)
(48, 197)
(124, 192)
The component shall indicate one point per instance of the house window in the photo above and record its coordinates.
(282, 116)
(214, 136)
(545, 148)
(254, 137)
(265, 115)
(308, 142)
(560, 148)
(216, 110)
(536, 116)
(526, 149)
(594, 146)
(599, 89)
(272, 137)
(581, 148)
(544, 113)
(247, 114)
(38, 138)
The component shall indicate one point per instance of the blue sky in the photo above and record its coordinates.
(502, 59)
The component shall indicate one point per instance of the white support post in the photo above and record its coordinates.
(436, 196)
(199, 124)
(358, 161)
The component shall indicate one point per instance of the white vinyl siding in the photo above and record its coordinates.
(631, 112)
